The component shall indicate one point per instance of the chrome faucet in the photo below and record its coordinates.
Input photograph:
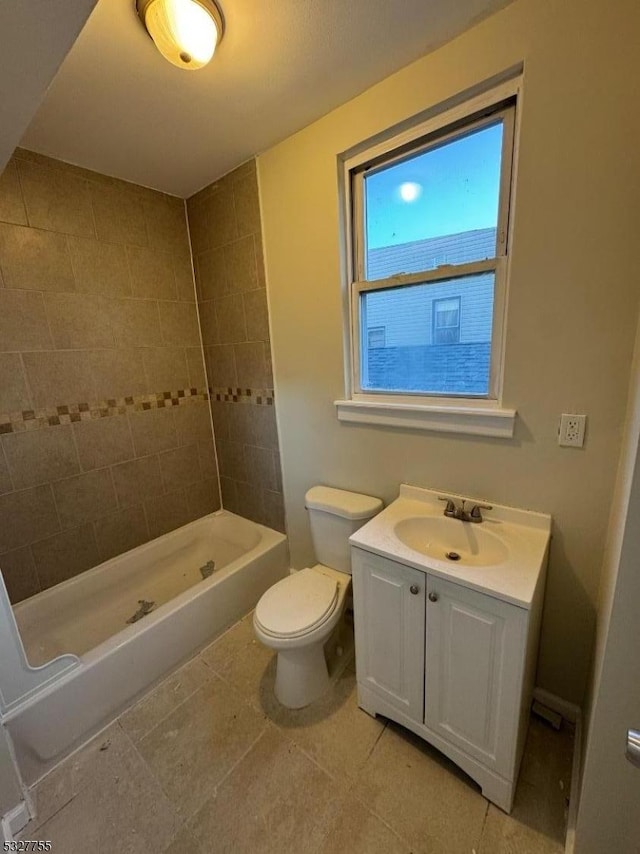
(452, 511)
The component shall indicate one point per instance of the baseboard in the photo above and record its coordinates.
(570, 711)
(15, 820)
(574, 795)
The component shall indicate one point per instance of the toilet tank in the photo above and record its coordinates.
(336, 514)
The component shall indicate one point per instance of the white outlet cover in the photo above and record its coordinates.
(571, 431)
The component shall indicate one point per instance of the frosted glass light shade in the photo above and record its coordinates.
(185, 32)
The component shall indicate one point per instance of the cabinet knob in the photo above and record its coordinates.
(414, 589)
(433, 597)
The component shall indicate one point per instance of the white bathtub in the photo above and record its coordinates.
(113, 662)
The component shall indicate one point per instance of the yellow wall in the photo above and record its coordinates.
(572, 305)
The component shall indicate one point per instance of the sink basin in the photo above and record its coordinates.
(442, 538)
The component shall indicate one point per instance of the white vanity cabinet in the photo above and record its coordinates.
(450, 663)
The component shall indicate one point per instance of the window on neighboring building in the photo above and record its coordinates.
(446, 321)
(376, 337)
(429, 251)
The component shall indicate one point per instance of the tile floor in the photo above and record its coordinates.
(209, 762)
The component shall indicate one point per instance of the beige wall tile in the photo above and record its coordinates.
(230, 319)
(84, 497)
(23, 322)
(261, 427)
(193, 423)
(221, 366)
(251, 365)
(153, 431)
(58, 378)
(14, 395)
(65, 555)
(212, 278)
(195, 364)
(232, 459)
(179, 323)
(137, 480)
(55, 200)
(245, 191)
(229, 494)
(250, 501)
(167, 224)
(220, 411)
(152, 274)
(79, 321)
(99, 268)
(257, 315)
(208, 322)
(262, 278)
(183, 272)
(11, 204)
(165, 368)
(5, 478)
(19, 573)
(278, 466)
(119, 215)
(240, 260)
(199, 230)
(136, 323)
(167, 512)
(38, 456)
(273, 508)
(121, 531)
(36, 260)
(180, 467)
(260, 467)
(203, 498)
(117, 373)
(222, 216)
(26, 516)
(103, 442)
(207, 456)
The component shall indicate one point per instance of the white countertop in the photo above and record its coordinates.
(525, 533)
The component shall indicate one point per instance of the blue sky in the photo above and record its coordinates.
(457, 186)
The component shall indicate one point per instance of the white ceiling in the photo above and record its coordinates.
(116, 106)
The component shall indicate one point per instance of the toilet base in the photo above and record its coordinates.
(301, 676)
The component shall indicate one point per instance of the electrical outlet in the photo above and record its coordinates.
(571, 430)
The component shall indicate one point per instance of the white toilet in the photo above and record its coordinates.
(297, 615)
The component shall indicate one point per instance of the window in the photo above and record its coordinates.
(446, 321)
(429, 214)
(376, 337)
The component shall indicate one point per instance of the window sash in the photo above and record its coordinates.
(436, 139)
(498, 266)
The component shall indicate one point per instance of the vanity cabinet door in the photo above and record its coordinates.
(389, 611)
(474, 655)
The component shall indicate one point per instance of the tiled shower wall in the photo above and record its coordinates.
(225, 227)
(104, 423)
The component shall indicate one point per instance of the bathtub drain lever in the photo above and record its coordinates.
(143, 610)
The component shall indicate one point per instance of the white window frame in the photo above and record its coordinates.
(483, 415)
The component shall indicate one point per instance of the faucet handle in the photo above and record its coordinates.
(450, 509)
(475, 513)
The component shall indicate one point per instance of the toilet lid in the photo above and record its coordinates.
(298, 603)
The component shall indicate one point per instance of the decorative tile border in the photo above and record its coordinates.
(35, 419)
(255, 396)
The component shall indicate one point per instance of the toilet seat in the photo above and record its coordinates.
(298, 604)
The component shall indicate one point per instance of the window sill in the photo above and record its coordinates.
(471, 420)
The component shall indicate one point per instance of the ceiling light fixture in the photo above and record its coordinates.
(185, 32)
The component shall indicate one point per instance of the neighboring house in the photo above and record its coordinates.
(410, 325)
